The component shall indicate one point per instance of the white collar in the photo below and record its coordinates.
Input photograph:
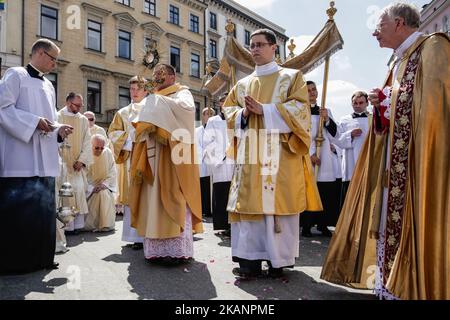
(400, 51)
(66, 112)
(41, 74)
(266, 69)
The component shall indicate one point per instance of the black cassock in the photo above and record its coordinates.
(27, 224)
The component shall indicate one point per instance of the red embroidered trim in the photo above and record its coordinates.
(399, 163)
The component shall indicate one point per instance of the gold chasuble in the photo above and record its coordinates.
(102, 213)
(80, 150)
(418, 220)
(164, 172)
(118, 133)
(273, 173)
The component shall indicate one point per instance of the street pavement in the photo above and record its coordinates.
(100, 266)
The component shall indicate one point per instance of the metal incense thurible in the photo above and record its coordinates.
(65, 213)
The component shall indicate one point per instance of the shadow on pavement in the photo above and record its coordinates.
(296, 285)
(190, 281)
(17, 287)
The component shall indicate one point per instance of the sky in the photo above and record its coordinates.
(360, 65)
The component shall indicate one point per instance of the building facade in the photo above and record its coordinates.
(435, 17)
(103, 45)
(245, 21)
(10, 24)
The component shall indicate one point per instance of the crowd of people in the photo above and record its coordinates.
(270, 162)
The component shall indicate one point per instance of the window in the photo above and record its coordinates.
(94, 96)
(247, 37)
(175, 58)
(277, 51)
(213, 48)
(124, 44)
(194, 24)
(150, 7)
(174, 15)
(197, 111)
(436, 28)
(124, 2)
(445, 24)
(49, 22)
(53, 78)
(94, 35)
(124, 97)
(195, 65)
(213, 21)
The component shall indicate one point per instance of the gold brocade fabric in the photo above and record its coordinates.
(159, 196)
(283, 183)
(421, 268)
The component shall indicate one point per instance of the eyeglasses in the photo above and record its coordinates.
(383, 24)
(259, 45)
(99, 148)
(77, 105)
(51, 57)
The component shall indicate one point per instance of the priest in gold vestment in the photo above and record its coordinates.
(121, 134)
(102, 186)
(273, 180)
(395, 222)
(78, 158)
(165, 185)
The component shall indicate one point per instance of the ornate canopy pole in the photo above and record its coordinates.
(319, 139)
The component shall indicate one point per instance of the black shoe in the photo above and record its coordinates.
(246, 275)
(306, 233)
(326, 233)
(226, 233)
(137, 246)
(275, 273)
(53, 266)
(72, 233)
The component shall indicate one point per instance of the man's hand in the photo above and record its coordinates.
(44, 125)
(253, 106)
(373, 97)
(64, 131)
(99, 188)
(315, 160)
(324, 114)
(77, 166)
(356, 133)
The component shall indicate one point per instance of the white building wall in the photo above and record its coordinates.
(436, 17)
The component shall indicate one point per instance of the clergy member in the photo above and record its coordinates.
(326, 177)
(205, 175)
(222, 167)
(397, 212)
(102, 186)
(29, 136)
(273, 180)
(353, 130)
(77, 158)
(121, 133)
(165, 196)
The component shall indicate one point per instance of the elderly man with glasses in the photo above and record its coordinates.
(78, 157)
(394, 225)
(102, 187)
